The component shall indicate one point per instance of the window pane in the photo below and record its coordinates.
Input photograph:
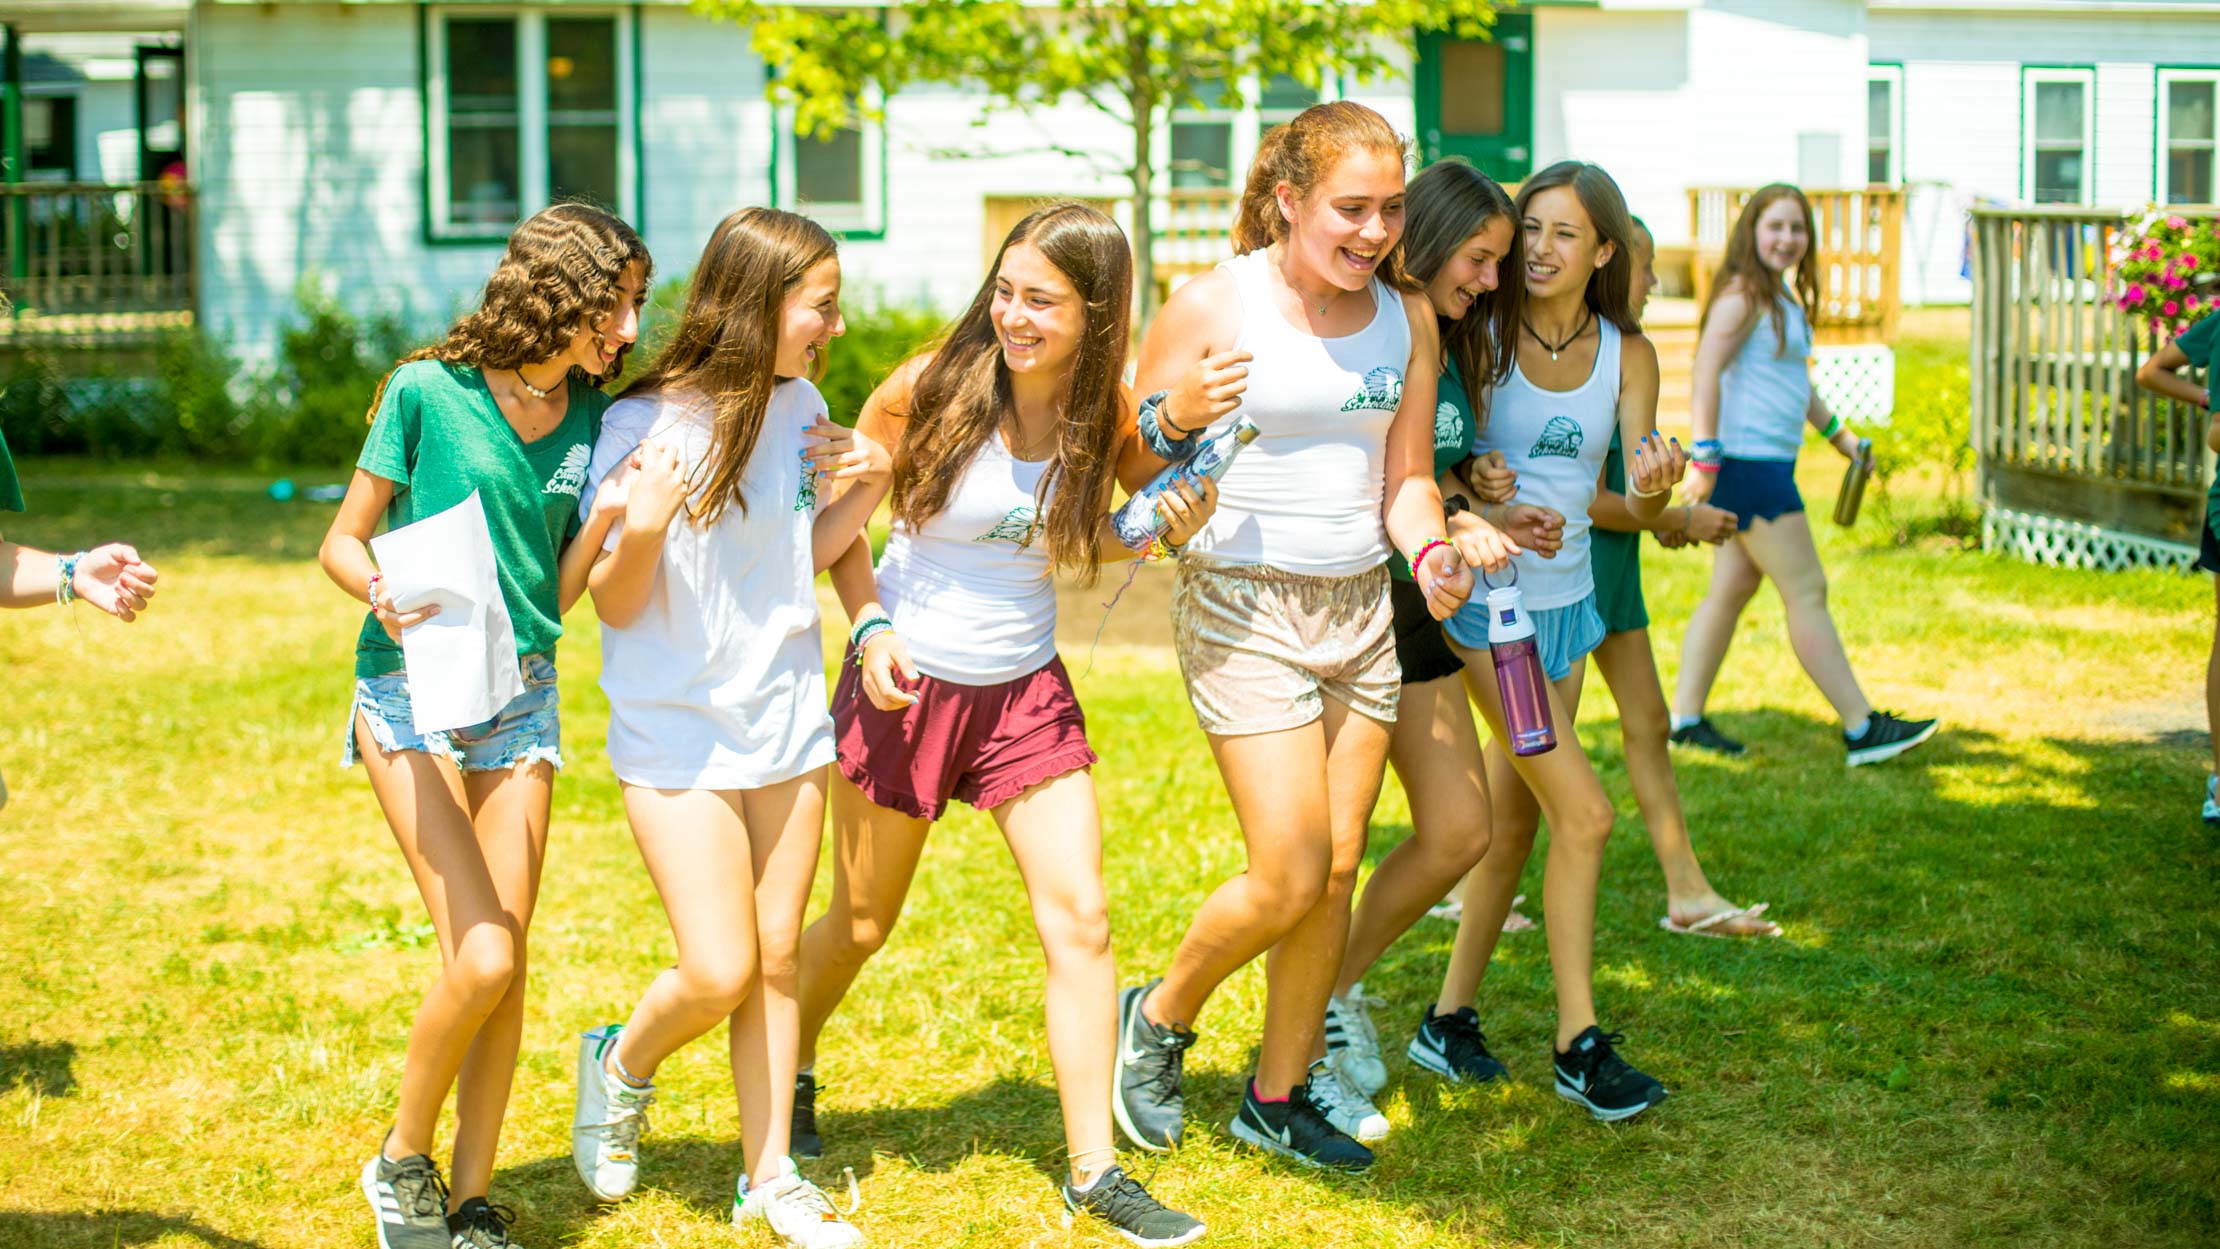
(1877, 165)
(2058, 177)
(581, 67)
(1202, 154)
(1877, 92)
(2189, 175)
(1286, 93)
(1215, 95)
(582, 164)
(2189, 111)
(829, 171)
(482, 182)
(2058, 112)
(1472, 88)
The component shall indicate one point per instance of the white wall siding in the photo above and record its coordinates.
(705, 132)
(1614, 89)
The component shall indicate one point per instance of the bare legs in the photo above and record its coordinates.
(1780, 550)
(1303, 797)
(733, 868)
(475, 843)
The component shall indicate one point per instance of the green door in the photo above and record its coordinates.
(1475, 98)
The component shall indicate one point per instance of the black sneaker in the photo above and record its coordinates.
(1704, 735)
(1592, 1074)
(1451, 1046)
(479, 1224)
(1119, 1200)
(1295, 1129)
(1144, 1085)
(1886, 737)
(801, 1135)
(409, 1201)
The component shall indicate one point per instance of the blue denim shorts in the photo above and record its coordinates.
(1756, 490)
(1563, 636)
(526, 731)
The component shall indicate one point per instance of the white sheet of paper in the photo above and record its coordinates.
(462, 664)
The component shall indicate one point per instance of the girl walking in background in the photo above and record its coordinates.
(714, 668)
(506, 406)
(2198, 347)
(1281, 614)
(1009, 436)
(1752, 398)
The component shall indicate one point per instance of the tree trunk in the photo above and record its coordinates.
(1144, 207)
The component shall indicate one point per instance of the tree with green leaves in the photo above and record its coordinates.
(1134, 60)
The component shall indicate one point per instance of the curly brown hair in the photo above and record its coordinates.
(558, 276)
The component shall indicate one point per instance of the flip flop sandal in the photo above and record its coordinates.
(1703, 927)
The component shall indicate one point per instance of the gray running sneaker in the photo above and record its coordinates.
(1144, 1084)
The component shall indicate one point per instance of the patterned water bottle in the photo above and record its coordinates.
(1518, 673)
(1139, 522)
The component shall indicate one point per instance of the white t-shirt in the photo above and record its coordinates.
(1556, 440)
(969, 590)
(720, 682)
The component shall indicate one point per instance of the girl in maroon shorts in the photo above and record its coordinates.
(1008, 438)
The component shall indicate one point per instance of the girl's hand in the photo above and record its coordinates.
(1846, 441)
(1207, 391)
(1699, 486)
(1492, 480)
(1446, 580)
(114, 579)
(1480, 544)
(1671, 539)
(392, 619)
(888, 672)
(1657, 465)
(1538, 529)
(1707, 523)
(657, 491)
(1186, 507)
(841, 454)
(615, 489)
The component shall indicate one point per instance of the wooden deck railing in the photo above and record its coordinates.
(91, 259)
(1859, 246)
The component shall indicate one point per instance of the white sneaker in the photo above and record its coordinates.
(1353, 1044)
(797, 1210)
(605, 1130)
(1351, 1112)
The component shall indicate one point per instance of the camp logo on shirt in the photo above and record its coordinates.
(1561, 436)
(1382, 390)
(1447, 428)
(805, 495)
(570, 476)
(1018, 527)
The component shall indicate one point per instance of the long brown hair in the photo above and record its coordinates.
(1301, 154)
(961, 397)
(1449, 202)
(726, 344)
(1611, 288)
(1743, 271)
(557, 276)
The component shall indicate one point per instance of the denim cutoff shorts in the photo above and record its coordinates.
(526, 731)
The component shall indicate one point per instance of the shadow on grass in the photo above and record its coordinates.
(106, 1229)
(44, 1067)
(219, 512)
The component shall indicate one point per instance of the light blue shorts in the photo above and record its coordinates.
(1563, 636)
(527, 731)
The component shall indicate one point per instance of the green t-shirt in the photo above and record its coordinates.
(438, 436)
(1454, 433)
(11, 490)
(2201, 343)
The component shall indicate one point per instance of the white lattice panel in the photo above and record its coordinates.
(2077, 544)
(1858, 382)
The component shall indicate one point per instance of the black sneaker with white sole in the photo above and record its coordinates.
(1592, 1074)
(802, 1139)
(409, 1200)
(1144, 1084)
(1452, 1046)
(479, 1224)
(1119, 1200)
(1704, 735)
(1295, 1129)
(1887, 736)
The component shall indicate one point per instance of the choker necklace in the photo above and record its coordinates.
(1554, 348)
(532, 390)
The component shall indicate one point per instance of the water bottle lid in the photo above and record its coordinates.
(1507, 618)
(1245, 431)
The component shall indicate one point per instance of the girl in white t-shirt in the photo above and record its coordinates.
(1009, 436)
(714, 670)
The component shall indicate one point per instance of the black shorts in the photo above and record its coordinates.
(1420, 645)
(2208, 557)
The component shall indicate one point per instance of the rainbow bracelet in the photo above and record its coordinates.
(1425, 549)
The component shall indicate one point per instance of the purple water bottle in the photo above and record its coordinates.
(1518, 673)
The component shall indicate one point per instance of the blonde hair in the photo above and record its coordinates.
(1301, 154)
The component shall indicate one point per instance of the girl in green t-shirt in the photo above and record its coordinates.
(506, 405)
(2198, 348)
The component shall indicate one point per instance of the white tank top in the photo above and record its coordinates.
(969, 590)
(1765, 390)
(1305, 496)
(1556, 441)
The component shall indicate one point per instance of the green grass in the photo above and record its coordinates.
(1994, 1020)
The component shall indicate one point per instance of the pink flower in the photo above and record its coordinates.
(2190, 304)
(2175, 281)
(2177, 223)
(2135, 293)
(2153, 252)
(2171, 308)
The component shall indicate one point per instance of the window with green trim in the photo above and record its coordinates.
(837, 180)
(2188, 135)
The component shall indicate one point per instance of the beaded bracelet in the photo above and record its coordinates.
(376, 579)
(865, 627)
(1425, 549)
(866, 631)
(65, 589)
(1704, 466)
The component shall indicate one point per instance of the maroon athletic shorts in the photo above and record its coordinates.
(979, 744)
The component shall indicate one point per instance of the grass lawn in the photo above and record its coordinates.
(1995, 1019)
